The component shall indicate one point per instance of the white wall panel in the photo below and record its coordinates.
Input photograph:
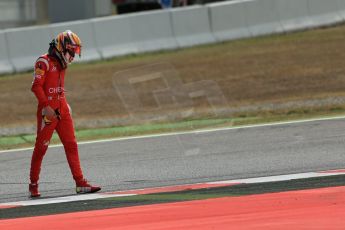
(191, 26)
(113, 36)
(26, 45)
(228, 20)
(294, 14)
(341, 8)
(152, 31)
(324, 12)
(262, 17)
(5, 65)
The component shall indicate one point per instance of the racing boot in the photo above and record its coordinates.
(83, 187)
(33, 190)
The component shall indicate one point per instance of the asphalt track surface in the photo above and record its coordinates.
(184, 158)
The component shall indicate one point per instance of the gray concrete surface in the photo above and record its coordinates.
(184, 158)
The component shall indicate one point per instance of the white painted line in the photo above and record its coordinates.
(132, 192)
(198, 131)
(16, 150)
(279, 178)
(65, 199)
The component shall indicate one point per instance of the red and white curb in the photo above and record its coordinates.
(170, 188)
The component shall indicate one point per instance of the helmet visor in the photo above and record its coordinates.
(77, 50)
(73, 49)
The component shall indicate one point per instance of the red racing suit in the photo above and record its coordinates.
(48, 87)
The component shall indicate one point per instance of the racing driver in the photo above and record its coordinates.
(53, 112)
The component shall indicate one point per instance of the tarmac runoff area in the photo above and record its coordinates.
(315, 201)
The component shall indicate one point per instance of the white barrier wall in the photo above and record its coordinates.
(324, 12)
(341, 7)
(262, 17)
(26, 45)
(152, 31)
(113, 36)
(84, 29)
(191, 26)
(228, 20)
(294, 14)
(5, 65)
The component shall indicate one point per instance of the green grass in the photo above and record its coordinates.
(27, 140)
